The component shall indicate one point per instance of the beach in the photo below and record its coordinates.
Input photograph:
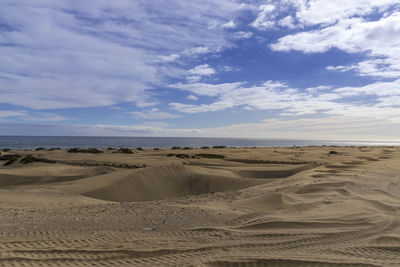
(221, 206)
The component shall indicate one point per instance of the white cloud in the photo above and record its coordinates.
(31, 116)
(340, 68)
(193, 79)
(287, 22)
(378, 39)
(320, 100)
(193, 52)
(229, 25)
(318, 89)
(324, 128)
(228, 68)
(264, 19)
(44, 117)
(206, 89)
(202, 70)
(380, 68)
(192, 97)
(146, 103)
(153, 114)
(386, 89)
(100, 52)
(9, 113)
(189, 108)
(333, 128)
(169, 58)
(329, 12)
(198, 72)
(269, 95)
(242, 35)
(77, 130)
(112, 130)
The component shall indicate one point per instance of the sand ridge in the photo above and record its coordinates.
(291, 206)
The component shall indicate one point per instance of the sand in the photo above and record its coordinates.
(297, 206)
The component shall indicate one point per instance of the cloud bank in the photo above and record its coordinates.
(157, 61)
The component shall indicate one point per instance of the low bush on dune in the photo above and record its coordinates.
(30, 159)
(10, 158)
(333, 152)
(124, 150)
(75, 150)
(139, 148)
(110, 164)
(85, 150)
(176, 147)
(182, 156)
(205, 147)
(156, 149)
(40, 148)
(219, 146)
(9, 162)
(209, 156)
(201, 155)
(93, 150)
(6, 149)
(110, 148)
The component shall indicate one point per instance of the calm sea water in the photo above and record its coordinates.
(32, 142)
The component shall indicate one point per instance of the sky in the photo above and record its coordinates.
(303, 69)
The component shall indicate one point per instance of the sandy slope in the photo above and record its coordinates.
(257, 207)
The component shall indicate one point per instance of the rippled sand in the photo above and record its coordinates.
(305, 206)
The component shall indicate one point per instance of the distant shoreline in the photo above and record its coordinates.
(65, 142)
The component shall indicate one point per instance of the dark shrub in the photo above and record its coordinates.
(139, 148)
(171, 155)
(205, 147)
(110, 148)
(40, 148)
(83, 150)
(10, 157)
(182, 156)
(187, 148)
(124, 150)
(176, 147)
(9, 162)
(219, 146)
(210, 156)
(6, 149)
(94, 150)
(30, 159)
(333, 152)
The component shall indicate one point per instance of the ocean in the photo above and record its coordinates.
(32, 142)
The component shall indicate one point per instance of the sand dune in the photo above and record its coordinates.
(155, 183)
(45, 173)
(256, 207)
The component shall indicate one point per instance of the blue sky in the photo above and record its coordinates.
(263, 69)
